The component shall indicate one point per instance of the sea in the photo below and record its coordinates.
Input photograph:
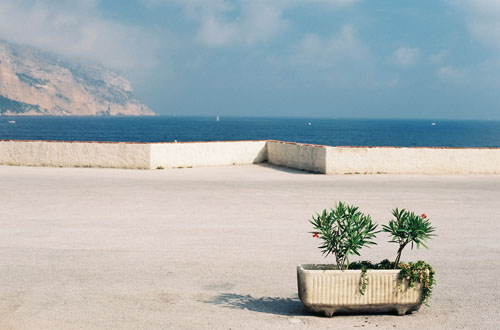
(332, 132)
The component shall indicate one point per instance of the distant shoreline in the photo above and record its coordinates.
(72, 115)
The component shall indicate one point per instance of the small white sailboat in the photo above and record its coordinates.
(217, 118)
(433, 124)
(12, 121)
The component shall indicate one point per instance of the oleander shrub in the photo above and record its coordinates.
(344, 231)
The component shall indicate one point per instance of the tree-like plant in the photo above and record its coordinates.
(407, 228)
(344, 231)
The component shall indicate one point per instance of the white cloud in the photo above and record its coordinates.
(292, 3)
(406, 57)
(483, 19)
(316, 50)
(438, 57)
(247, 22)
(75, 28)
(254, 22)
(262, 21)
(217, 33)
(451, 74)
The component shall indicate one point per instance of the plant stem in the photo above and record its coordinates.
(400, 250)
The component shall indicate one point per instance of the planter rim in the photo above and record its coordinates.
(327, 268)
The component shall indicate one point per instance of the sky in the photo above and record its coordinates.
(426, 59)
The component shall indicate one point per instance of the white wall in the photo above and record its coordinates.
(75, 154)
(207, 153)
(342, 160)
(321, 159)
(297, 155)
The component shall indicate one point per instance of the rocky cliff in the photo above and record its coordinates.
(33, 82)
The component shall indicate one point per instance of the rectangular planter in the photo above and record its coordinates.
(325, 290)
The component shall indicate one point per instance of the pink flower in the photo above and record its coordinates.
(423, 215)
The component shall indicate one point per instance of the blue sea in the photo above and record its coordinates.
(333, 132)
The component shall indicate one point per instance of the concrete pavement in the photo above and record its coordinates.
(217, 247)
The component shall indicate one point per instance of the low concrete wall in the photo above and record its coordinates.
(207, 153)
(321, 159)
(75, 154)
(393, 160)
(131, 155)
(298, 156)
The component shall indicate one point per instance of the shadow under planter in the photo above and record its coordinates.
(268, 305)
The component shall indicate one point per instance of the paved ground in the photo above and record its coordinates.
(217, 248)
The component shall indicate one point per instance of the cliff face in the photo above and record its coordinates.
(37, 83)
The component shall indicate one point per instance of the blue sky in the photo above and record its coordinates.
(309, 58)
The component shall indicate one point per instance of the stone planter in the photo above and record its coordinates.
(323, 289)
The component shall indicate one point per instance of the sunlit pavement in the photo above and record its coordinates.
(217, 248)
